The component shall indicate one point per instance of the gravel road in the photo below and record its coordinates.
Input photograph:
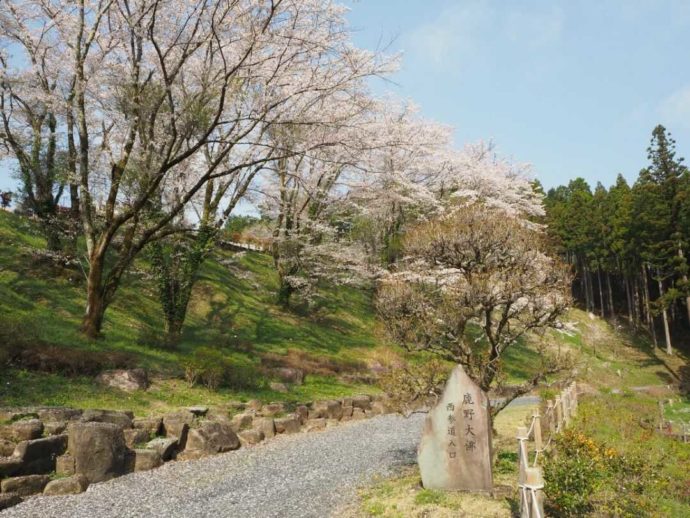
(302, 475)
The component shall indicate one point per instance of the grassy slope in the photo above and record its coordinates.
(232, 309)
(624, 378)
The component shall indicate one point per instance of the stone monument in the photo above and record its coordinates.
(455, 450)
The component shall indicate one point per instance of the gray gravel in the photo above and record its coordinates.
(302, 475)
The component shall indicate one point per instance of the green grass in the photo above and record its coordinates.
(232, 309)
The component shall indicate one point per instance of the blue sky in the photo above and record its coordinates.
(574, 87)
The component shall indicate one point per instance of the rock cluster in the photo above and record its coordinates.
(59, 451)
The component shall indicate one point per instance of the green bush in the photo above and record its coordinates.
(213, 369)
(584, 477)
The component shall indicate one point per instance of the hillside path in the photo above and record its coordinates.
(301, 475)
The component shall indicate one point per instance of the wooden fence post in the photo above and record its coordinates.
(523, 457)
(550, 412)
(536, 419)
(559, 414)
(532, 494)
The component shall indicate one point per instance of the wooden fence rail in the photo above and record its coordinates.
(556, 418)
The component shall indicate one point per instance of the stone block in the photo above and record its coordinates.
(147, 459)
(67, 486)
(25, 486)
(98, 449)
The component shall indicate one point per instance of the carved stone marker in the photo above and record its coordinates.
(455, 450)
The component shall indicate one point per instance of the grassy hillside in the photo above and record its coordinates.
(232, 311)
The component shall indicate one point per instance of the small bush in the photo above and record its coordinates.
(212, 368)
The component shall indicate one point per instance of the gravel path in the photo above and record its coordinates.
(302, 475)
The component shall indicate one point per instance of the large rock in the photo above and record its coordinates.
(54, 427)
(313, 425)
(98, 450)
(8, 500)
(253, 404)
(278, 386)
(151, 425)
(177, 425)
(251, 437)
(134, 436)
(6, 447)
(198, 411)
(165, 446)
(357, 414)
(265, 425)
(128, 380)
(147, 459)
(58, 414)
(289, 375)
(272, 409)
(67, 486)
(303, 412)
(22, 430)
(64, 465)
(362, 401)
(212, 437)
(287, 425)
(455, 449)
(326, 409)
(38, 456)
(241, 422)
(10, 466)
(25, 486)
(121, 419)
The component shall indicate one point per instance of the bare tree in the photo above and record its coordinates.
(473, 284)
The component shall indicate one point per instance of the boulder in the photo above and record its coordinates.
(8, 415)
(241, 422)
(10, 466)
(272, 409)
(98, 450)
(121, 419)
(250, 437)
(315, 424)
(277, 386)
(363, 402)
(303, 412)
(287, 425)
(289, 375)
(358, 413)
(54, 427)
(265, 425)
(25, 486)
(8, 500)
(236, 405)
(326, 409)
(165, 446)
(177, 425)
(198, 411)
(379, 408)
(58, 414)
(38, 456)
(67, 486)
(64, 465)
(151, 425)
(212, 437)
(330, 423)
(22, 430)
(6, 447)
(134, 436)
(146, 459)
(346, 401)
(128, 380)
(347, 412)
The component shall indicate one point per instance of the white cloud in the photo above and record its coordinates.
(675, 109)
(466, 29)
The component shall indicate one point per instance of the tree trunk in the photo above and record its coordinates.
(601, 293)
(284, 293)
(648, 314)
(667, 333)
(629, 300)
(608, 285)
(685, 281)
(95, 300)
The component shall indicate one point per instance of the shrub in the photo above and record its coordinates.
(212, 368)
